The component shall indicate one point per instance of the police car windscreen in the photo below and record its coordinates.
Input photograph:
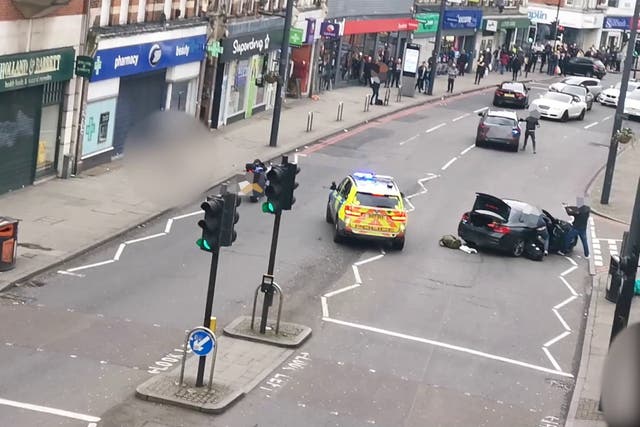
(377, 200)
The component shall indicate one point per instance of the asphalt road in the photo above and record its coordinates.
(430, 336)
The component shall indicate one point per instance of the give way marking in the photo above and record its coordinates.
(91, 420)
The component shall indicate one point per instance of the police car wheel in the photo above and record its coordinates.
(337, 237)
(328, 217)
(398, 244)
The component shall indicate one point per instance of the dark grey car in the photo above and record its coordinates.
(500, 128)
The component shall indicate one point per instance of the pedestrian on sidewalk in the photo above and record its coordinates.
(452, 73)
(504, 60)
(396, 73)
(480, 69)
(530, 130)
(375, 85)
(515, 67)
(422, 75)
(462, 62)
(580, 213)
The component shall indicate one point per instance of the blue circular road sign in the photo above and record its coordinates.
(201, 342)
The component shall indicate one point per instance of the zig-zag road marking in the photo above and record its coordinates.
(423, 190)
(565, 325)
(122, 246)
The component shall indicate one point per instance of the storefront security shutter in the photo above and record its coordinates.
(138, 97)
(19, 121)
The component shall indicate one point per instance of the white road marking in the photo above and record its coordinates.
(564, 323)
(449, 163)
(368, 260)
(52, 411)
(449, 347)
(68, 273)
(568, 270)
(325, 307)
(573, 292)
(565, 302)
(571, 260)
(411, 207)
(167, 228)
(551, 359)
(466, 150)
(435, 127)
(556, 339)
(606, 118)
(84, 267)
(480, 109)
(409, 139)
(460, 117)
(142, 239)
(356, 273)
(186, 215)
(116, 257)
(591, 125)
(92, 425)
(341, 290)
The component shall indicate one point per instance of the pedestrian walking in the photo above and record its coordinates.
(580, 213)
(532, 123)
(422, 76)
(452, 73)
(375, 85)
(396, 73)
(480, 69)
(462, 62)
(515, 67)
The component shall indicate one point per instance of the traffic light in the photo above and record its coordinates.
(290, 184)
(213, 208)
(230, 217)
(275, 189)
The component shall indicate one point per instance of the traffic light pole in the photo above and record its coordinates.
(268, 296)
(617, 123)
(629, 263)
(436, 50)
(208, 308)
(282, 71)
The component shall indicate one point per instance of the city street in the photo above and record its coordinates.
(424, 337)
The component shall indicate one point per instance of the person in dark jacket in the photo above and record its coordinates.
(515, 67)
(421, 77)
(530, 131)
(462, 62)
(480, 69)
(580, 213)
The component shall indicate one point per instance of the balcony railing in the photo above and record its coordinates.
(506, 4)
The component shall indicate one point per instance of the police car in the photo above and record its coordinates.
(370, 206)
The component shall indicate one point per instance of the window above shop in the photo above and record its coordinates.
(38, 8)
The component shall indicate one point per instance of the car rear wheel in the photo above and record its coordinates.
(565, 116)
(337, 237)
(398, 244)
(515, 147)
(479, 143)
(581, 116)
(518, 248)
(495, 102)
(328, 216)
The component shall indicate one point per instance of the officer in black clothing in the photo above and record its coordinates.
(580, 213)
(532, 123)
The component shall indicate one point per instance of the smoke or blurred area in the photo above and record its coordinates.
(168, 158)
(621, 380)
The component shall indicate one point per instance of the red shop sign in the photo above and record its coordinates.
(380, 25)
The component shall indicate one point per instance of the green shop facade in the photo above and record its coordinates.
(32, 88)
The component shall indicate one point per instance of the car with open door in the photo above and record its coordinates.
(505, 225)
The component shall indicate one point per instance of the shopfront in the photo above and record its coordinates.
(500, 32)
(134, 77)
(304, 33)
(425, 35)
(32, 87)
(613, 27)
(459, 29)
(583, 29)
(242, 81)
(344, 54)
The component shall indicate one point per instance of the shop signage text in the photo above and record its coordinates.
(427, 22)
(491, 25)
(618, 23)
(84, 66)
(329, 30)
(462, 19)
(311, 30)
(247, 45)
(35, 68)
(538, 15)
(129, 60)
(380, 25)
(296, 37)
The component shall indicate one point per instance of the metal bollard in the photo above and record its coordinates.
(310, 121)
(340, 111)
(367, 103)
(387, 95)
(399, 96)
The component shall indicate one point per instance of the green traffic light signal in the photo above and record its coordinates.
(203, 244)
(268, 207)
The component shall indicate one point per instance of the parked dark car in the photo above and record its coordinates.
(502, 224)
(500, 128)
(511, 93)
(585, 66)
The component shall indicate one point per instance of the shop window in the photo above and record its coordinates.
(613, 3)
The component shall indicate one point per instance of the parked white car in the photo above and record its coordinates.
(632, 104)
(610, 96)
(560, 106)
(575, 90)
(592, 84)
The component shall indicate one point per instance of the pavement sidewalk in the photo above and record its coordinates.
(583, 410)
(60, 219)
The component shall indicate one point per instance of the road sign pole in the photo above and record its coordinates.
(268, 296)
(617, 122)
(436, 50)
(208, 309)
